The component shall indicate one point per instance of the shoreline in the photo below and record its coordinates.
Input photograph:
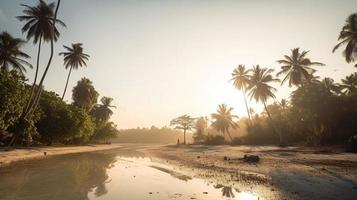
(20, 154)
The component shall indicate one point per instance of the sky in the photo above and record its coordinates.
(160, 59)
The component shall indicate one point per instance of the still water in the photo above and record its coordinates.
(107, 175)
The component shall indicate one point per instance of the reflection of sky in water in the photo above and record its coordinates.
(140, 178)
(104, 176)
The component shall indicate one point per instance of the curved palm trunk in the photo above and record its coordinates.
(36, 73)
(273, 126)
(65, 88)
(38, 94)
(184, 136)
(246, 106)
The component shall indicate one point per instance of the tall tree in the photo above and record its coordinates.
(348, 36)
(349, 84)
(224, 120)
(102, 112)
(261, 90)
(11, 54)
(39, 27)
(185, 123)
(40, 84)
(84, 94)
(73, 58)
(297, 68)
(241, 80)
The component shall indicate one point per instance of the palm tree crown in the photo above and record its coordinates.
(297, 68)
(349, 84)
(102, 112)
(348, 35)
(11, 54)
(39, 20)
(224, 120)
(240, 77)
(260, 89)
(330, 85)
(74, 57)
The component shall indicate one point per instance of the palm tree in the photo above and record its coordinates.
(261, 91)
(348, 35)
(224, 120)
(330, 85)
(240, 78)
(349, 84)
(102, 112)
(73, 59)
(84, 94)
(11, 54)
(39, 26)
(297, 68)
(185, 123)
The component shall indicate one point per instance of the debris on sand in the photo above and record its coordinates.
(251, 158)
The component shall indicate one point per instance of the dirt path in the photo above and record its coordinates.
(7, 157)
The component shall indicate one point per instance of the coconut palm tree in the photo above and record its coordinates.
(348, 36)
(331, 86)
(261, 90)
(297, 68)
(73, 58)
(224, 120)
(240, 78)
(349, 84)
(39, 27)
(185, 123)
(11, 54)
(102, 112)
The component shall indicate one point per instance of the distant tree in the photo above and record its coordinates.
(11, 54)
(223, 120)
(349, 84)
(297, 68)
(102, 112)
(185, 123)
(39, 26)
(84, 95)
(200, 127)
(261, 91)
(73, 58)
(348, 36)
(240, 78)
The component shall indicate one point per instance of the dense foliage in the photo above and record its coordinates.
(54, 121)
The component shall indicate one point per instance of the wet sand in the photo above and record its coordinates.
(297, 172)
(19, 154)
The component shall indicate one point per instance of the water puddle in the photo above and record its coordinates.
(125, 175)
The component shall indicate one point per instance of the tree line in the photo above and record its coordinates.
(28, 113)
(319, 111)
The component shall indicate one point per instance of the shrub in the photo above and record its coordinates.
(214, 140)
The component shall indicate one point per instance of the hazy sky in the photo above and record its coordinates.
(162, 59)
